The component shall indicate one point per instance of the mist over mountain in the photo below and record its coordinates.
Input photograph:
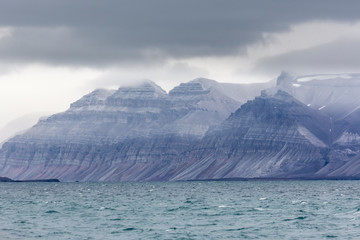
(19, 125)
(298, 127)
(333, 94)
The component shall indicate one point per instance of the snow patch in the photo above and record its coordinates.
(347, 138)
(323, 77)
(322, 107)
(296, 85)
(311, 137)
(355, 109)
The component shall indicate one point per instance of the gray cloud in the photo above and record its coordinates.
(335, 57)
(101, 33)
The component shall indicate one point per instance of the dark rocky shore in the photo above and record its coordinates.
(5, 179)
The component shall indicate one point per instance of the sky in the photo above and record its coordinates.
(54, 52)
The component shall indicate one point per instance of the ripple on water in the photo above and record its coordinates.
(51, 211)
(181, 210)
(223, 206)
(129, 229)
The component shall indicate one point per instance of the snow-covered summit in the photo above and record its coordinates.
(144, 90)
(190, 88)
(96, 97)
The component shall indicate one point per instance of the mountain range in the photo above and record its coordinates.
(294, 127)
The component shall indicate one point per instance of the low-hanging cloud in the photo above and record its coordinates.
(328, 58)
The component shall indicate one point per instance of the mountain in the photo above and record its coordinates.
(271, 136)
(128, 134)
(302, 127)
(336, 96)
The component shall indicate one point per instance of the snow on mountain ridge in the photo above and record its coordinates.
(323, 77)
(338, 92)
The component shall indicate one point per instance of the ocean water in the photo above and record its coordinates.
(181, 210)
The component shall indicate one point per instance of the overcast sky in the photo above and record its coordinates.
(53, 52)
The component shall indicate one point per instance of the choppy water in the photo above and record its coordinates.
(181, 210)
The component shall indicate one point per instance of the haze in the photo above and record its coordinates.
(53, 52)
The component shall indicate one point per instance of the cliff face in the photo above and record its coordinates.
(271, 136)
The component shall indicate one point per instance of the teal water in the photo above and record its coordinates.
(181, 210)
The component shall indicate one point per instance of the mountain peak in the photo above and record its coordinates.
(277, 94)
(145, 89)
(205, 81)
(188, 89)
(95, 97)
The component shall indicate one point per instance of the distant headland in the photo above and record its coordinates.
(5, 179)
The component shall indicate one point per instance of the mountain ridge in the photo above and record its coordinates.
(198, 130)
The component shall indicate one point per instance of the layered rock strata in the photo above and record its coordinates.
(305, 127)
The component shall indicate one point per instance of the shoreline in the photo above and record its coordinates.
(6, 179)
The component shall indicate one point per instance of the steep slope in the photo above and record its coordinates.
(128, 134)
(271, 136)
(344, 157)
(337, 96)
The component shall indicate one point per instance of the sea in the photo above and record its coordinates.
(181, 210)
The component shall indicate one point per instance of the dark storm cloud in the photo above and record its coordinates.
(84, 32)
